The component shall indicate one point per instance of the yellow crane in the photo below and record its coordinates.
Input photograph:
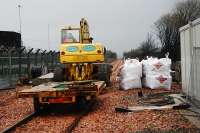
(78, 54)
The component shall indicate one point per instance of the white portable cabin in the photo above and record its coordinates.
(190, 58)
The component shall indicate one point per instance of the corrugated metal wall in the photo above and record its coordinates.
(190, 58)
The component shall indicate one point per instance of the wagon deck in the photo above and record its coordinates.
(63, 89)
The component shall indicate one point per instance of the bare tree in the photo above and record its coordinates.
(187, 11)
(146, 48)
(167, 27)
(168, 33)
(111, 54)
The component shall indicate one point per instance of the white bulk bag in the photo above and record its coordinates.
(131, 67)
(131, 74)
(131, 83)
(158, 81)
(153, 66)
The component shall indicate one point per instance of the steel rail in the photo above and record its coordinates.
(20, 122)
(75, 122)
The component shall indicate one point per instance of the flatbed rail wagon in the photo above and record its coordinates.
(62, 92)
(80, 77)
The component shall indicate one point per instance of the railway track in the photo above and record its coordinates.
(115, 70)
(116, 65)
(20, 122)
(68, 129)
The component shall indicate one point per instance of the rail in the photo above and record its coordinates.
(20, 122)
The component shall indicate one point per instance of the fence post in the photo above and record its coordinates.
(36, 54)
(10, 65)
(2, 66)
(52, 59)
(2, 59)
(19, 60)
(46, 60)
(42, 57)
(49, 60)
(57, 58)
(29, 63)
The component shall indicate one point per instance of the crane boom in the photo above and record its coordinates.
(84, 29)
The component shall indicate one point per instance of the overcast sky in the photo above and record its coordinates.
(119, 24)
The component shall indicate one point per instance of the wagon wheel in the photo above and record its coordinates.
(37, 105)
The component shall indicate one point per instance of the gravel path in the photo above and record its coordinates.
(48, 123)
(102, 118)
(12, 108)
(105, 119)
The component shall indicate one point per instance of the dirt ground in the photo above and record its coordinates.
(103, 118)
(12, 108)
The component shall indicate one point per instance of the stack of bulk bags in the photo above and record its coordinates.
(131, 74)
(157, 73)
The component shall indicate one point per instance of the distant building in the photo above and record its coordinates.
(10, 39)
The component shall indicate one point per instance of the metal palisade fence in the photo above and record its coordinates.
(18, 62)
